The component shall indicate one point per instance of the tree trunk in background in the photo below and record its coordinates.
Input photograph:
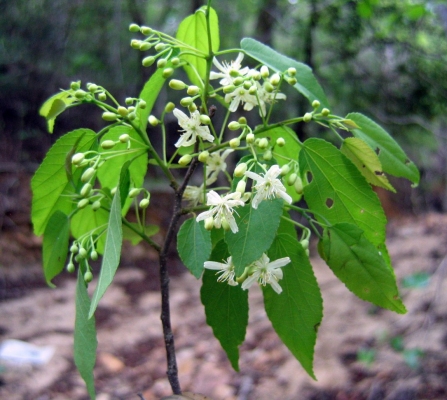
(266, 19)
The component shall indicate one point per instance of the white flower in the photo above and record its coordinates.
(268, 97)
(241, 95)
(191, 128)
(267, 272)
(226, 270)
(222, 207)
(216, 163)
(228, 71)
(194, 194)
(268, 186)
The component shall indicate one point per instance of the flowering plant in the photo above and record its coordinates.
(239, 231)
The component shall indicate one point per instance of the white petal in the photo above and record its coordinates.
(214, 265)
(180, 115)
(285, 196)
(205, 215)
(256, 200)
(254, 176)
(231, 221)
(248, 282)
(281, 262)
(213, 198)
(276, 287)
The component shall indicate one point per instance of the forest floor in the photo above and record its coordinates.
(362, 352)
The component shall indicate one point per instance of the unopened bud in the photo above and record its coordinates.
(159, 47)
(240, 170)
(315, 104)
(263, 143)
(148, 61)
(169, 107)
(246, 196)
(234, 126)
(238, 81)
(291, 81)
(161, 63)
(250, 138)
(88, 174)
(145, 30)
(225, 224)
(108, 144)
(123, 111)
(70, 267)
(204, 119)
(153, 120)
(92, 88)
(134, 28)
(86, 189)
(80, 94)
(129, 101)
(94, 255)
(264, 71)
(285, 169)
(298, 185)
(291, 71)
(292, 178)
(131, 116)
(74, 248)
(96, 205)
(88, 277)
(268, 87)
(186, 101)
(124, 138)
(192, 107)
(229, 89)
(307, 117)
(325, 112)
(275, 79)
(144, 203)
(113, 191)
(267, 156)
(135, 44)
(240, 187)
(142, 104)
(280, 142)
(247, 85)
(77, 158)
(253, 89)
(109, 116)
(193, 90)
(144, 46)
(242, 120)
(185, 160)
(209, 223)
(75, 85)
(177, 84)
(167, 72)
(175, 61)
(305, 244)
(102, 96)
(134, 192)
(82, 203)
(234, 143)
(203, 156)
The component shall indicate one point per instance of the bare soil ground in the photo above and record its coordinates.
(131, 356)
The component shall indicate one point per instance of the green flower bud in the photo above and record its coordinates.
(246, 196)
(88, 277)
(291, 71)
(113, 191)
(225, 224)
(234, 126)
(186, 101)
(229, 89)
(80, 94)
(285, 169)
(144, 203)
(77, 158)
(94, 255)
(109, 116)
(83, 203)
(185, 160)
(325, 112)
(88, 174)
(123, 111)
(240, 187)
(275, 79)
(267, 156)
(159, 47)
(247, 85)
(131, 116)
(315, 104)
(177, 84)
(102, 96)
(253, 90)
(134, 28)
(129, 101)
(92, 88)
(240, 170)
(74, 248)
(234, 143)
(263, 143)
(96, 205)
(70, 267)
(203, 156)
(108, 144)
(82, 252)
(298, 185)
(75, 85)
(145, 30)
(209, 223)
(291, 81)
(124, 138)
(305, 244)
(193, 90)
(292, 178)
(167, 72)
(280, 142)
(161, 63)
(265, 71)
(307, 117)
(175, 61)
(135, 44)
(148, 61)
(250, 138)
(204, 119)
(86, 189)
(134, 192)
(238, 81)
(144, 46)
(268, 87)
(169, 107)
(192, 107)
(242, 120)
(153, 120)
(307, 252)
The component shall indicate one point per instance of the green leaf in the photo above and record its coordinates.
(307, 84)
(50, 184)
(85, 342)
(360, 266)
(288, 152)
(394, 160)
(367, 162)
(112, 252)
(54, 106)
(257, 229)
(296, 313)
(135, 238)
(55, 245)
(226, 308)
(338, 192)
(194, 245)
(193, 32)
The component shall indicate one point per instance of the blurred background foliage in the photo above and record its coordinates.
(384, 58)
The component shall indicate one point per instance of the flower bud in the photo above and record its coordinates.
(123, 111)
(275, 79)
(307, 117)
(315, 104)
(88, 277)
(175, 61)
(102, 96)
(77, 158)
(209, 223)
(96, 205)
(240, 170)
(161, 63)
(280, 142)
(298, 185)
(246, 196)
(135, 44)
(145, 30)
(113, 191)
(256, 75)
(92, 88)
(242, 120)
(291, 81)
(204, 119)
(134, 192)
(108, 144)
(234, 126)
(263, 143)
(192, 107)
(186, 101)
(86, 189)
(305, 244)
(268, 87)
(240, 187)
(229, 89)
(74, 248)
(225, 224)
(264, 71)
(169, 107)
(144, 46)
(88, 174)
(124, 138)
(267, 156)
(153, 120)
(167, 72)
(250, 138)
(131, 116)
(75, 85)
(134, 28)
(109, 116)
(144, 203)
(203, 156)
(83, 203)
(247, 85)
(159, 47)
(193, 90)
(142, 104)
(325, 112)
(291, 71)
(148, 61)
(253, 89)
(285, 169)
(70, 267)
(80, 94)
(129, 101)
(234, 143)
(94, 255)
(177, 84)
(185, 160)
(292, 178)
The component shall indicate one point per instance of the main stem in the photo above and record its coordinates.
(165, 317)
